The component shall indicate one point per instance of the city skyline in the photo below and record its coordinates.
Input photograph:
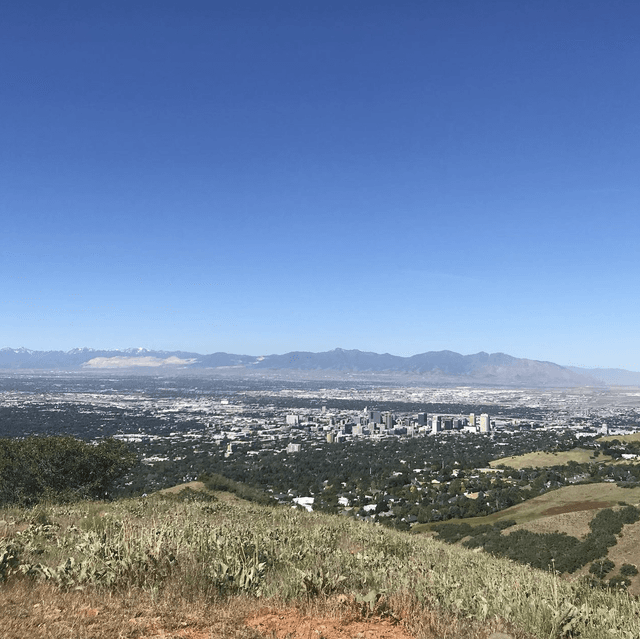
(267, 178)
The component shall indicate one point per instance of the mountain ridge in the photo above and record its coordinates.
(449, 367)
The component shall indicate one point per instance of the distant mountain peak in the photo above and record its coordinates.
(433, 367)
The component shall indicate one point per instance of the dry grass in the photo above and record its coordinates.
(541, 459)
(627, 551)
(159, 567)
(633, 437)
(575, 524)
(34, 611)
(198, 486)
(583, 497)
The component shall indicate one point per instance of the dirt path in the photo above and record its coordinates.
(291, 624)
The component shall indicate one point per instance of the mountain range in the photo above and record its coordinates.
(437, 367)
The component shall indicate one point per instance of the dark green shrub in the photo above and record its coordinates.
(619, 582)
(629, 515)
(452, 533)
(601, 568)
(62, 468)
(628, 570)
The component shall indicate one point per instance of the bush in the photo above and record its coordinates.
(39, 469)
(451, 533)
(601, 568)
(628, 570)
(619, 582)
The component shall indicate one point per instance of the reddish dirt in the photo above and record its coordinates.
(576, 506)
(291, 624)
(153, 629)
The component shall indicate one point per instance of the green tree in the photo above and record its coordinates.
(60, 468)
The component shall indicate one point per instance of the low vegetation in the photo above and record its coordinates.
(191, 546)
(581, 497)
(554, 551)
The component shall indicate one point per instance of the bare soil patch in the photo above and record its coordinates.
(292, 624)
(42, 611)
(341, 617)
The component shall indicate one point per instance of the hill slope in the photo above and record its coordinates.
(191, 546)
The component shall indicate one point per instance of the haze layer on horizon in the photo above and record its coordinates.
(257, 177)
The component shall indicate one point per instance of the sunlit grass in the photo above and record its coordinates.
(541, 459)
(210, 550)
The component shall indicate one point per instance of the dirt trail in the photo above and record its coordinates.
(293, 625)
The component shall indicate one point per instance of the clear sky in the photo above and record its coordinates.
(265, 176)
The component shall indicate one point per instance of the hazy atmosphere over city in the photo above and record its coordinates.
(262, 177)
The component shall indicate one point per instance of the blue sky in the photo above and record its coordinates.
(259, 177)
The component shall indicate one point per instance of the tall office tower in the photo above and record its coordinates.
(388, 420)
(472, 419)
(485, 423)
(422, 419)
(436, 424)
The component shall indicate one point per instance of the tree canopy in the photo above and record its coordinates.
(60, 468)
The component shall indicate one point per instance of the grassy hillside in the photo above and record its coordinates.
(216, 556)
(633, 437)
(581, 497)
(541, 459)
(567, 511)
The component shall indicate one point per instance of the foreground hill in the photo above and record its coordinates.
(435, 367)
(136, 560)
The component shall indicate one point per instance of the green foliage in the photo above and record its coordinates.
(214, 481)
(451, 532)
(63, 468)
(220, 548)
(601, 568)
(551, 551)
(316, 582)
(9, 559)
(628, 570)
(619, 582)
